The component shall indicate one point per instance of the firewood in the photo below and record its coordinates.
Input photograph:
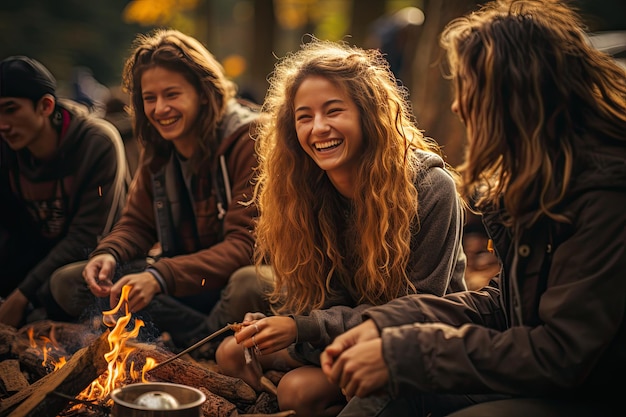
(266, 404)
(11, 376)
(38, 399)
(62, 335)
(181, 371)
(32, 361)
(216, 406)
(7, 337)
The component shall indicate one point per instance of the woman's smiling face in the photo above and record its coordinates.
(328, 126)
(171, 104)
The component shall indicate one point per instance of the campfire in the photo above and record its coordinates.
(56, 369)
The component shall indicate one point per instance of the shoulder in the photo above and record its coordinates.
(432, 174)
(237, 120)
(93, 131)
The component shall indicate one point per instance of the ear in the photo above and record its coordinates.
(46, 104)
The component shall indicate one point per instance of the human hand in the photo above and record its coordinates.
(249, 317)
(267, 335)
(361, 370)
(98, 274)
(356, 350)
(143, 289)
(13, 308)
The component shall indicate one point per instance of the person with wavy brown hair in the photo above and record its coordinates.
(186, 228)
(545, 114)
(357, 207)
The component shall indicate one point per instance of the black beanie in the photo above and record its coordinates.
(24, 77)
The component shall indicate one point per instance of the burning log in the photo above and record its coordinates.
(38, 399)
(110, 360)
(184, 372)
(62, 335)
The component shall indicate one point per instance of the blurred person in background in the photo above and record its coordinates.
(545, 115)
(116, 111)
(63, 182)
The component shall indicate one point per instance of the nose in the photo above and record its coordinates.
(161, 106)
(320, 126)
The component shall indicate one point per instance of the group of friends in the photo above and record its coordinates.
(330, 225)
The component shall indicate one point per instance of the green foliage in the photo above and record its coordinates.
(64, 34)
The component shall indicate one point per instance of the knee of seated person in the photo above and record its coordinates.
(297, 391)
(246, 283)
(64, 283)
(229, 356)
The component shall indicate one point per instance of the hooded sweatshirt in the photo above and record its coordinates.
(61, 207)
(436, 265)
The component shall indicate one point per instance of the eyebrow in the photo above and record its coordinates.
(326, 104)
(8, 103)
(165, 90)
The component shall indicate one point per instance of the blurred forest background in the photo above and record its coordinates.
(86, 42)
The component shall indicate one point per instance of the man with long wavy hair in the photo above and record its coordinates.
(546, 123)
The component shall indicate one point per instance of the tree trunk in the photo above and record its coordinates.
(431, 94)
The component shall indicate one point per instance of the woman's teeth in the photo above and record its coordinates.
(327, 145)
(166, 122)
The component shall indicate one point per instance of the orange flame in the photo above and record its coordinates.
(116, 374)
(47, 346)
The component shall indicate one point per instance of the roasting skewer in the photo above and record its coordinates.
(196, 345)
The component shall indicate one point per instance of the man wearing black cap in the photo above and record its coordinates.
(63, 180)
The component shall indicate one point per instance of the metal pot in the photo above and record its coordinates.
(157, 399)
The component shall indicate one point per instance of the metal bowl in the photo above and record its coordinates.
(157, 399)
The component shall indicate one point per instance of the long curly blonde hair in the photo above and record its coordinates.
(533, 92)
(301, 212)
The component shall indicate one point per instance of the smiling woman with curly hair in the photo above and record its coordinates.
(357, 208)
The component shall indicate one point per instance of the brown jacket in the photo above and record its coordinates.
(200, 248)
(555, 326)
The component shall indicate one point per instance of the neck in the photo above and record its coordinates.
(46, 143)
(185, 147)
(343, 183)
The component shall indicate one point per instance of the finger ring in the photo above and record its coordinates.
(256, 347)
(256, 327)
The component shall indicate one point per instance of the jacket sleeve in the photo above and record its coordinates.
(436, 251)
(581, 311)
(217, 263)
(97, 160)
